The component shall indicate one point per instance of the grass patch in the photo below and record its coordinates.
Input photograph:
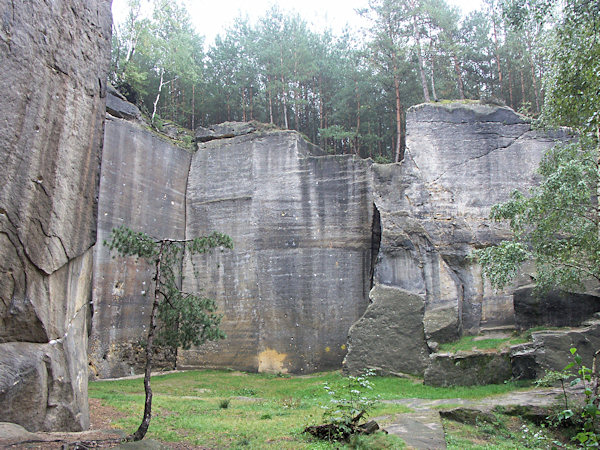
(468, 343)
(263, 411)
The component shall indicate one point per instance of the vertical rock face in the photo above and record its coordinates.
(54, 57)
(313, 234)
(460, 160)
(142, 187)
(299, 274)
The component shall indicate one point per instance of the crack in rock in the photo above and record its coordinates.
(474, 158)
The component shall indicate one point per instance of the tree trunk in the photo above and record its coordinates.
(283, 92)
(160, 86)
(270, 100)
(459, 80)
(193, 106)
(435, 97)
(420, 60)
(510, 88)
(251, 103)
(143, 428)
(399, 156)
(533, 77)
(523, 99)
(320, 101)
(497, 52)
(357, 139)
(244, 105)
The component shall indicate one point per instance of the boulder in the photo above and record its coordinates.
(51, 118)
(389, 337)
(35, 378)
(468, 368)
(552, 309)
(550, 350)
(224, 130)
(118, 106)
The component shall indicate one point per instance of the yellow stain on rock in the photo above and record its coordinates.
(271, 361)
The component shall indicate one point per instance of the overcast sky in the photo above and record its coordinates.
(214, 16)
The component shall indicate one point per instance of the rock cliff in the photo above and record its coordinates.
(299, 274)
(54, 58)
(313, 234)
(142, 186)
(460, 160)
(301, 268)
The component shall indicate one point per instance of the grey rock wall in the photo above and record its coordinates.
(142, 186)
(299, 275)
(54, 58)
(461, 160)
(434, 206)
(313, 234)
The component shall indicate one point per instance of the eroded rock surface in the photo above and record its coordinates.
(550, 350)
(299, 274)
(461, 159)
(313, 233)
(143, 187)
(552, 309)
(389, 337)
(468, 368)
(51, 115)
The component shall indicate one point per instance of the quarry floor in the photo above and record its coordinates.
(420, 429)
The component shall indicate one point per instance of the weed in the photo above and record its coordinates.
(246, 392)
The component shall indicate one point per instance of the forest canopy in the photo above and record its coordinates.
(345, 93)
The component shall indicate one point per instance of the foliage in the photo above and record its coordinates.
(556, 225)
(586, 415)
(279, 70)
(349, 403)
(185, 319)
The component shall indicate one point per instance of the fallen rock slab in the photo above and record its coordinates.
(468, 368)
(420, 430)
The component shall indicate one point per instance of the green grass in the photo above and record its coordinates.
(468, 343)
(263, 411)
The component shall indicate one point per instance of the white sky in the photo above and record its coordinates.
(214, 16)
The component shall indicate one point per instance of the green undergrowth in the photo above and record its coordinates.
(503, 433)
(262, 410)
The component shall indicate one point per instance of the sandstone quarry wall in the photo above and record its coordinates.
(320, 241)
(54, 58)
(299, 274)
(143, 186)
(460, 160)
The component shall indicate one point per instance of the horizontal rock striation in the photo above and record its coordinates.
(299, 274)
(461, 159)
(54, 58)
(143, 187)
(313, 234)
